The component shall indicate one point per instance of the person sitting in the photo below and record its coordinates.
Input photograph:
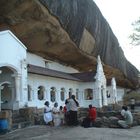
(89, 120)
(128, 118)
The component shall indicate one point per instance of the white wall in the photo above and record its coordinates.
(34, 59)
(59, 67)
(110, 99)
(12, 51)
(120, 93)
(83, 86)
(37, 80)
(40, 61)
(13, 55)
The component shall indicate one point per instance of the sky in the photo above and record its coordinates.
(120, 14)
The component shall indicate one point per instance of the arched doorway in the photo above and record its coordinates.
(70, 92)
(6, 96)
(8, 90)
(62, 94)
(53, 94)
(41, 92)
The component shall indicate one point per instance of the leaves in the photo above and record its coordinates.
(135, 37)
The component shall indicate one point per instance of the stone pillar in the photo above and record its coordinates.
(24, 94)
(66, 94)
(114, 90)
(48, 95)
(1, 88)
(36, 94)
(104, 96)
(98, 94)
(12, 88)
(18, 86)
(45, 95)
(80, 97)
(99, 97)
(30, 93)
(58, 96)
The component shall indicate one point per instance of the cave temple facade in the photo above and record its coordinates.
(28, 80)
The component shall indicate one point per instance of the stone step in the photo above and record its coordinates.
(82, 112)
(18, 120)
(21, 125)
(15, 113)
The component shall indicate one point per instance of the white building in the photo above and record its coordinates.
(29, 80)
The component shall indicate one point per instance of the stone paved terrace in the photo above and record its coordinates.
(42, 132)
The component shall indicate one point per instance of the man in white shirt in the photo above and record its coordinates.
(128, 118)
(73, 106)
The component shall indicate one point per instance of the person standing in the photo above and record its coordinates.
(73, 106)
(47, 114)
(66, 111)
(61, 114)
(92, 114)
(132, 104)
(56, 115)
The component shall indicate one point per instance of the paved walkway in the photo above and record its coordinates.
(72, 133)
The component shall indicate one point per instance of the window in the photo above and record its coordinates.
(77, 94)
(41, 91)
(62, 94)
(107, 94)
(70, 92)
(46, 64)
(53, 94)
(88, 94)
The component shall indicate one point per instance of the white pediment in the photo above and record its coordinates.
(7, 36)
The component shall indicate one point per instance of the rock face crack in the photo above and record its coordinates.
(72, 32)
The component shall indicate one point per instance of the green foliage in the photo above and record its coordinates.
(135, 37)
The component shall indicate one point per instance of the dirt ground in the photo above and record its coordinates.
(41, 132)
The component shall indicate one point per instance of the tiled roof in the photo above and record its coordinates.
(49, 72)
(83, 77)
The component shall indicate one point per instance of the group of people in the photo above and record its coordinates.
(62, 115)
(53, 116)
(68, 115)
(125, 121)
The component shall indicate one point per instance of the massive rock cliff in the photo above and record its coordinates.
(72, 32)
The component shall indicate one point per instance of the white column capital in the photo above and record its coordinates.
(16, 75)
(17, 85)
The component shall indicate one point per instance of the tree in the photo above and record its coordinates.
(135, 36)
